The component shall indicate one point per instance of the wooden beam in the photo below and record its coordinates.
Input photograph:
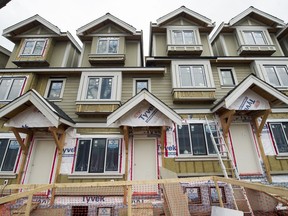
(55, 136)
(219, 194)
(28, 205)
(264, 116)
(19, 139)
(129, 200)
(126, 140)
(226, 120)
(163, 135)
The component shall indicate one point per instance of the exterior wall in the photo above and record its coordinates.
(206, 46)
(159, 45)
(13, 55)
(277, 46)
(217, 48)
(3, 60)
(231, 44)
(87, 46)
(132, 56)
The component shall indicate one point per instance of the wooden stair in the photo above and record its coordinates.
(22, 209)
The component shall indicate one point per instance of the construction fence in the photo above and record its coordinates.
(178, 197)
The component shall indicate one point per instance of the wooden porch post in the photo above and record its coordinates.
(60, 145)
(258, 130)
(24, 146)
(126, 140)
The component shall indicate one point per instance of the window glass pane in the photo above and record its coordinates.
(184, 140)
(141, 84)
(189, 37)
(249, 38)
(82, 155)
(106, 88)
(39, 47)
(93, 85)
(227, 77)
(185, 76)
(11, 156)
(112, 155)
(97, 157)
(15, 89)
(199, 76)
(102, 46)
(282, 73)
(113, 46)
(55, 89)
(271, 73)
(211, 148)
(279, 137)
(3, 146)
(28, 47)
(259, 38)
(198, 139)
(4, 87)
(178, 38)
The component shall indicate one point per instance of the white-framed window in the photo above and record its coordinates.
(279, 132)
(141, 83)
(34, 47)
(277, 75)
(107, 45)
(227, 77)
(9, 150)
(194, 140)
(196, 75)
(254, 38)
(11, 87)
(100, 86)
(55, 88)
(98, 155)
(179, 35)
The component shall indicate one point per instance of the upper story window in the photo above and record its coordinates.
(183, 37)
(98, 155)
(55, 88)
(9, 150)
(141, 83)
(34, 47)
(194, 140)
(227, 77)
(11, 87)
(254, 38)
(280, 134)
(277, 75)
(97, 86)
(108, 45)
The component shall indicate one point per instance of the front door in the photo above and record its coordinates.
(41, 161)
(244, 147)
(145, 162)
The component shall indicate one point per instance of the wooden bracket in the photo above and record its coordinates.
(226, 120)
(264, 114)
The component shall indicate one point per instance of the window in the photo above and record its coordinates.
(214, 195)
(55, 89)
(280, 134)
(183, 37)
(34, 47)
(80, 210)
(8, 154)
(194, 139)
(108, 45)
(99, 88)
(192, 76)
(141, 83)
(277, 75)
(194, 195)
(104, 211)
(98, 155)
(10, 88)
(227, 77)
(254, 38)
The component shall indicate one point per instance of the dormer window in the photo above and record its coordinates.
(254, 38)
(108, 45)
(34, 47)
(183, 37)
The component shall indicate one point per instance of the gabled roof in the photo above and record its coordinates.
(134, 101)
(102, 20)
(189, 14)
(5, 51)
(253, 12)
(263, 89)
(51, 111)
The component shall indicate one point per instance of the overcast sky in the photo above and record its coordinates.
(69, 15)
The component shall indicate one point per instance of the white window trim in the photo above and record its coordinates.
(139, 79)
(35, 40)
(241, 37)
(280, 155)
(259, 67)
(48, 87)
(12, 173)
(111, 174)
(107, 39)
(116, 85)
(221, 78)
(195, 29)
(15, 77)
(176, 82)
